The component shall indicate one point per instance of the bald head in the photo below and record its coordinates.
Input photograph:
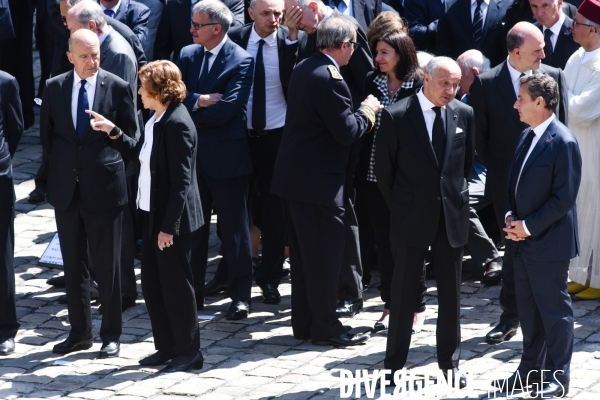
(525, 44)
(83, 37)
(471, 63)
(442, 76)
(84, 52)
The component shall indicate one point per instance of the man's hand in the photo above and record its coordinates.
(372, 102)
(207, 100)
(292, 17)
(514, 229)
(164, 240)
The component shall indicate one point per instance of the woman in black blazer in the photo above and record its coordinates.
(169, 202)
(395, 77)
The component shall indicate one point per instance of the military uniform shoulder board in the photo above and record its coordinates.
(335, 74)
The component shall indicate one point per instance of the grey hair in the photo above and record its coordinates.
(71, 3)
(90, 11)
(592, 23)
(437, 62)
(217, 13)
(544, 86)
(424, 58)
(478, 60)
(252, 3)
(336, 30)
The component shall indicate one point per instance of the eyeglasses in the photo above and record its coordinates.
(575, 23)
(354, 45)
(198, 26)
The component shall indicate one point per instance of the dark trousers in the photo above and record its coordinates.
(41, 178)
(230, 197)
(316, 240)
(546, 316)
(263, 150)
(9, 325)
(350, 284)
(78, 229)
(408, 269)
(168, 288)
(379, 219)
(128, 281)
(45, 37)
(508, 298)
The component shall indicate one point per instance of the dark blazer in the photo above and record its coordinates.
(287, 54)
(524, 13)
(11, 122)
(135, 15)
(174, 29)
(564, 48)
(175, 206)
(412, 181)
(355, 72)
(546, 195)
(131, 38)
(455, 30)
(365, 11)
(93, 162)
(7, 28)
(223, 149)
(320, 127)
(423, 17)
(156, 7)
(498, 123)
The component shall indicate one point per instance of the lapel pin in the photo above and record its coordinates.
(101, 83)
(547, 140)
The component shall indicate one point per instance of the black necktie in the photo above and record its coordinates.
(259, 98)
(548, 45)
(83, 119)
(478, 22)
(204, 71)
(518, 164)
(437, 135)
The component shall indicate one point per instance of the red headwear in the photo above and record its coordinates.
(591, 10)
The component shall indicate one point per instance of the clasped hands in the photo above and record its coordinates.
(514, 229)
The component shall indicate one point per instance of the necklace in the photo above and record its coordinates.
(392, 92)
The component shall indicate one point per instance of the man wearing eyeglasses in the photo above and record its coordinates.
(218, 75)
(583, 80)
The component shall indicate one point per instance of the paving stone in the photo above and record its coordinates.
(92, 394)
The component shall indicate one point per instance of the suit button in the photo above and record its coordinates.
(441, 176)
(439, 198)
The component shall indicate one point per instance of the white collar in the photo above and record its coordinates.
(255, 37)
(215, 50)
(334, 63)
(514, 74)
(541, 128)
(114, 9)
(91, 80)
(474, 2)
(424, 101)
(328, 13)
(556, 27)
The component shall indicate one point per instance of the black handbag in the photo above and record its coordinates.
(7, 30)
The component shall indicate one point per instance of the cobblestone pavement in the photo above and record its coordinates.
(255, 358)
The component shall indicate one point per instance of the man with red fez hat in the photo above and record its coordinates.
(582, 73)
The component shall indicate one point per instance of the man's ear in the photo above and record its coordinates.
(313, 6)
(70, 57)
(251, 13)
(475, 71)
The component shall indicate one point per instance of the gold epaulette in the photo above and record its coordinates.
(335, 74)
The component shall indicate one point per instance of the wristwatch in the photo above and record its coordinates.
(115, 133)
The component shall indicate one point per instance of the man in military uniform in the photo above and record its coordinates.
(310, 176)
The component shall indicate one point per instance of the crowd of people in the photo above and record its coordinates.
(344, 135)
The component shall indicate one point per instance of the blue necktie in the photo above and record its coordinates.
(204, 72)
(110, 13)
(83, 119)
(259, 97)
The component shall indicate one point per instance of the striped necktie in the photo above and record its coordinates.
(478, 22)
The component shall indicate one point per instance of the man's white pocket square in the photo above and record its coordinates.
(458, 130)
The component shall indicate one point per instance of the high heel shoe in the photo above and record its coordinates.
(197, 362)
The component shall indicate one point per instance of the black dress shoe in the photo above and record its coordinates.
(110, 349)
(158, 358)
(493, 273)
(500, 333)
(38, 195)
(71, 344)
(197, 362)
(238, 310)
(307, 336)
(380, 326)
(57, 281)
(7, 346)
(62, 299)
(348, 308)
(462, 380)
(127, 302)
(551, 390)
(270, 294)
(517, 381)
(214, 287)
(345, 339)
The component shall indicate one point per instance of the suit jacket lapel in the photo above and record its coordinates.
(492, 16)
(358, 6)
(195, 67)
(506, 89)
(67, 94)
(541, 145)
(104, 49)
(245, 35)
(221, 59)
(280, 47)
(563, 36)
(464, 14)
(415, 115)
(451, 125)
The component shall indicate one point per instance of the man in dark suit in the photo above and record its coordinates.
(133, 14)
(173, 31)
(541, 220)
(556, 27)
(498, 127)
(156, 9)
(310, 175)
(473, 24)
(425, 148)
(11, 129)
(218, 76)
(265, 40)
(364, 11)
(86, 187)
(307, 15)
(423, 18)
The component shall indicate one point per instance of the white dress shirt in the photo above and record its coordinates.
(555, 29)
(145, 180)
(115, 8)
(428, 113)
(275, 106)
(515, 76)
(484, 9)
(538, 131)
(90, 88)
